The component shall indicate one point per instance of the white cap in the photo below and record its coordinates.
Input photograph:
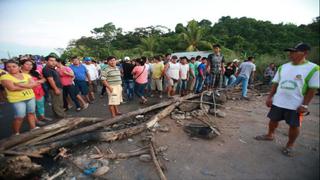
(235, 60)
(126, 58)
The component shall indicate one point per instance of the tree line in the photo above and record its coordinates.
(239, 37)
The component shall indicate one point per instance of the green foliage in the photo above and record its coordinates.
(239, 38)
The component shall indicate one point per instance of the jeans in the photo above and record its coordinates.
(183, 85)
(229, 80)
(244, 80)
(129, 88)
(139, 89)
(199, 84)
(148, 86)
(72, 91)
(23, 107)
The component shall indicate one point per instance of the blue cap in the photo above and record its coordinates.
(87, 59)
(299, 47)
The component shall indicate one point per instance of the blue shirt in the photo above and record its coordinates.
(201, 67)
(80, 72)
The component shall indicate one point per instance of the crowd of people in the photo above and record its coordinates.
(29, 82)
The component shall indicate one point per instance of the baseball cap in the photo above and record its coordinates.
(87, 59)
(299, 47)
(126, 58)
(235, 60)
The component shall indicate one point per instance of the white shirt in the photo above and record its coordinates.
(184, 71)
(93, 72)
(246, 68)
(174, 70)
(291, 80)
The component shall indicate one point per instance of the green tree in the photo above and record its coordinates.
(192, 35)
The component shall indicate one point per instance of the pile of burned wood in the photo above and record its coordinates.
(73, 131)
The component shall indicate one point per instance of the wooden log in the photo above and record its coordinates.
(107, 122)
(9, 152)
(104, 136)
(156, 162)
(119, 118)
(128, 154)
(14, 140)
(59, 173)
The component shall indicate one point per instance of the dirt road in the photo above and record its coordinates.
(233, 155)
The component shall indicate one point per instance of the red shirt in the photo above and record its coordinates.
(65, 79)
(38, 90)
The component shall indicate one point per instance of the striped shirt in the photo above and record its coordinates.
(112, 75)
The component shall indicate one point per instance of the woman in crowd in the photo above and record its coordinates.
(20, 95)
(66, 77)
(140, 74)
(29, 67)
(229, 75)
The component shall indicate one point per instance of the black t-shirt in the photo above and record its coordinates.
(229, 71)
(50, 72)
(127, 70)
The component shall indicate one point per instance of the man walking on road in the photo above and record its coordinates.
(294, 85)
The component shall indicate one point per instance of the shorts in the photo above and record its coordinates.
(93, 87)
(115, 98)
(82, 86)
(156, 84)
(173, 82)
(23, 107)
(292, 117)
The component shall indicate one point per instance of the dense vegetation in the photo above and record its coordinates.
(240, 37)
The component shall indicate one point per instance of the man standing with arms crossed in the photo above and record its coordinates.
(294, 85)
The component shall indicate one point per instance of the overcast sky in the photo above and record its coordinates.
(40, 26)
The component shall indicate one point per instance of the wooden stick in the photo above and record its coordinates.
(133, 153)
(118, 118)
(59, 173)
(204, 102)
(34, 155)
(107, 122)
(156, 162)
(14, 140)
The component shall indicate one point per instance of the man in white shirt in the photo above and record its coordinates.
(184, 74)
(94, 76)
(172, 74)
(294, 85)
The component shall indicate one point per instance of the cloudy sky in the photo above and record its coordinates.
(40, 26)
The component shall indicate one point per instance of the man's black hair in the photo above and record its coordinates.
(144, 58)
(110, 57)
(50, 56)
(167, 54)
(157, 58)
(174, 57)
(216, 45)
(74, 57)
(250, 58)
(198, 57)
